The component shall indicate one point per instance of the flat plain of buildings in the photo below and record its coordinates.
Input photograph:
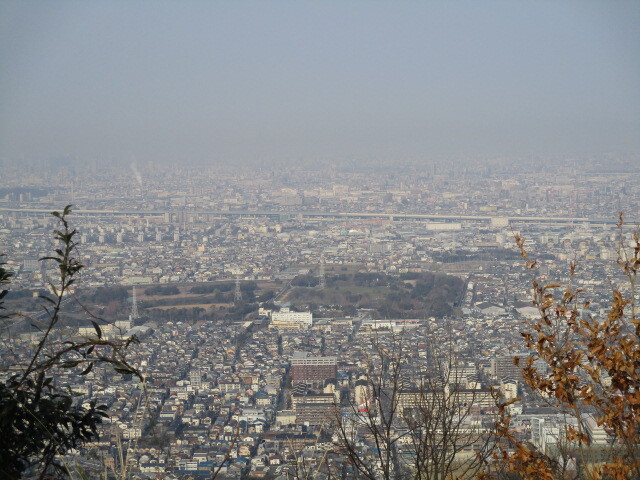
(207, 381)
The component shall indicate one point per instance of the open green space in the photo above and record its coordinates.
(410, 295)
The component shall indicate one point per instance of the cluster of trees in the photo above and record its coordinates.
(203, 289)
(104, 295)
(411, 295)
(232, 311)
(247, 288)
(430, 294)
(307, 280)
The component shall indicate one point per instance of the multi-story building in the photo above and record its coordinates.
(312, 371)
(299, 399)
(504, 366)
(316, 413)
(286, 319)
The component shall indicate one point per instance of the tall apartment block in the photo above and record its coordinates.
(312, 371)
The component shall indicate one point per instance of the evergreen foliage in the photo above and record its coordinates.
(38, 420)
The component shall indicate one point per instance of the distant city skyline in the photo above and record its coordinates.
(261, 82)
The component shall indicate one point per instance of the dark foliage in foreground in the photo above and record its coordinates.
(39, 420)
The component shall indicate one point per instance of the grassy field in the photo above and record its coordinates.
(186, 299)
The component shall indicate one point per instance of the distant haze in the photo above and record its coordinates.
(241, 81)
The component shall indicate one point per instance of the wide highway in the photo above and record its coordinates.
(399, 216)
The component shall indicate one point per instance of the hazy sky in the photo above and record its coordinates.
(329, 80)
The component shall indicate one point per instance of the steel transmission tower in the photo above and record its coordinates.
(323, 281)
(237, 297)
(134, 305)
